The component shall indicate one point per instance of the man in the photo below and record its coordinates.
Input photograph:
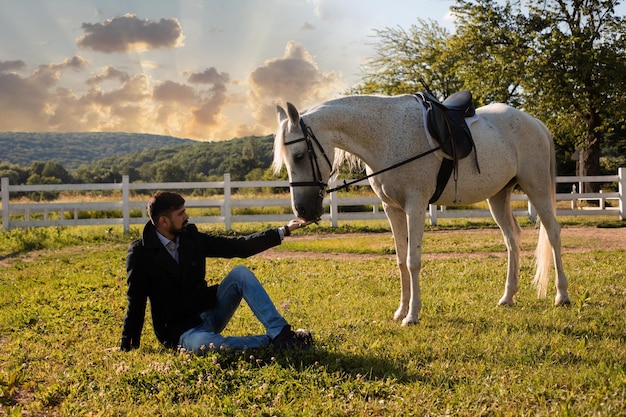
(168, 267)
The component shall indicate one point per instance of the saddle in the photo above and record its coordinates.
(446, 124)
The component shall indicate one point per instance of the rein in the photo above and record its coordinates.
(399, 164)
(310, 139)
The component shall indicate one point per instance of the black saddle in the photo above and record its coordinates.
(446, 124)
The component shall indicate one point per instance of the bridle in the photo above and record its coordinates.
(311, 140)
(318, 180)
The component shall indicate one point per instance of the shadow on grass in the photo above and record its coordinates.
(13, 254)
(357, 366)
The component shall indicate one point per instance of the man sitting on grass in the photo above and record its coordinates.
(168, 267)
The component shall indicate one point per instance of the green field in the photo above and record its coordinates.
(62, 301)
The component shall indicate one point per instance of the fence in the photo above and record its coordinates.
(72, 213)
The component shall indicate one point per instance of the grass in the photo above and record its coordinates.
(62, 301)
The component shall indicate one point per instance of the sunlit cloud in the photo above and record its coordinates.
(294, 77)
(129, 33)
(146, 64)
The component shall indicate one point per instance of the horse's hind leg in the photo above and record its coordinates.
(397, 220)
(500, 206)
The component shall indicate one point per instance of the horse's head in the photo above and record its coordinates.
(307, 164)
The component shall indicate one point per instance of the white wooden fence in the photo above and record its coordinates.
(68, 213)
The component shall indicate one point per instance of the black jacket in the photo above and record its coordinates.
(178, 292)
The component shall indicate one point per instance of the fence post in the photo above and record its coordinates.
(621, 174)
(432, 213)
(227, 207)
(532, 213)
(334, 209)
(126, 203)
(4, 184)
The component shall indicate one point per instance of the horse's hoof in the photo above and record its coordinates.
(561, 302)
(409, 322)
(506, 302)
(399, 315)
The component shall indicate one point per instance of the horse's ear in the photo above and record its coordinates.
(280, 112)
(294, 116)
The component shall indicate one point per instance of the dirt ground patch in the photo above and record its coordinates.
(609, 238)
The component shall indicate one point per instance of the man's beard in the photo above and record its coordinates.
(176, 231)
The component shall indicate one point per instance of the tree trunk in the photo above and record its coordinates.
(591, 157)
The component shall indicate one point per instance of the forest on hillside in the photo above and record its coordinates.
(72, 150)
(146, 158)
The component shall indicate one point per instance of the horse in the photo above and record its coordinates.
(511, 148)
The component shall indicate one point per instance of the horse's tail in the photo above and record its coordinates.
(543, 261)
(543, 253)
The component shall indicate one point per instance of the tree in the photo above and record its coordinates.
(491, 51)
(578, 81)
(170, 172)
(410, 61)
(53, 169)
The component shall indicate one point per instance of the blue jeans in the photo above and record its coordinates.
(239, 283)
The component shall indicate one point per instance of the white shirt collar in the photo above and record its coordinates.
(165, 240)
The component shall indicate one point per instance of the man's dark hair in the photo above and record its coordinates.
(162, 204)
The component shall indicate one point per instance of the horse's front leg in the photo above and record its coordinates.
(397, 220)
(415, 231)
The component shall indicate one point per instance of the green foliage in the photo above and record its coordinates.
(62, 311)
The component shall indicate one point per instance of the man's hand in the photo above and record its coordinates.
(296, 224)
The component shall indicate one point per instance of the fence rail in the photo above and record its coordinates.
(68, 213)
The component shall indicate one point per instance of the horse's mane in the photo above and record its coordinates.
(280, 150)
(354, 163)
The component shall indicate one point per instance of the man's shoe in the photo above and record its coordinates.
(287, 339)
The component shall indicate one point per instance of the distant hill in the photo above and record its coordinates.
(190, 162)
(74, 149)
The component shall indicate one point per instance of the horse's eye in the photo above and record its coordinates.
(298, 157)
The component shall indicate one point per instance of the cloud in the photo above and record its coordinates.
(294, 77)
(29, 103)
(109, 73)
(194, 107)
(173, 92)
(208, 76)
(12, 65)
(205, 104)
(201, 105)
(129, 33)
(124, 106)
(114, 100)
(22, 103)
(209, 110)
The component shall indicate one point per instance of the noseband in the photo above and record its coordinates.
(310, 140)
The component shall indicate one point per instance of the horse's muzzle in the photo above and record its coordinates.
(309, 209)
(309, 214)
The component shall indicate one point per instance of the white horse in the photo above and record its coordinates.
(511, 148)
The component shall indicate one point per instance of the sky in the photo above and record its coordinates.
(197, 69)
